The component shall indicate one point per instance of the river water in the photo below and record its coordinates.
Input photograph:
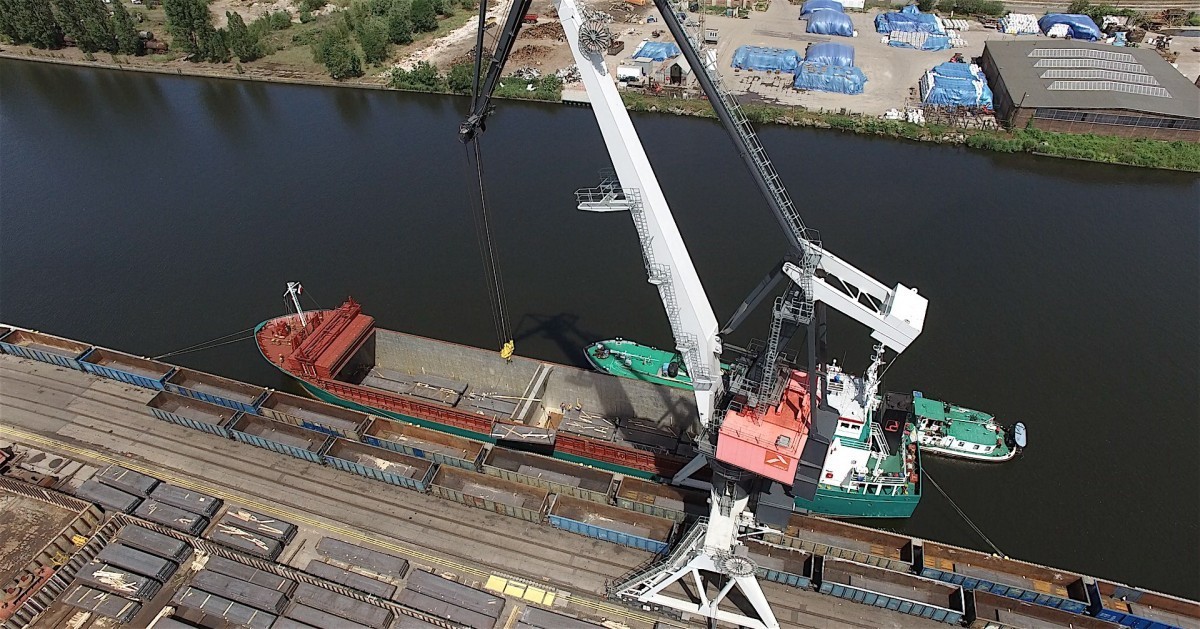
(148, 213)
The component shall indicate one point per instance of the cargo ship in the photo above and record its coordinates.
(623, 425)
(939, 428)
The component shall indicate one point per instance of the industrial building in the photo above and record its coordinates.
(1076, 87)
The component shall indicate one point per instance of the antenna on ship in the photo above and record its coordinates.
(294, 290)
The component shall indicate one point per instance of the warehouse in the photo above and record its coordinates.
(1075, 87)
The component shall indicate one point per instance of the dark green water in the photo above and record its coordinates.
(148, 213)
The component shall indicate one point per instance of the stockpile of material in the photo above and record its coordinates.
(656, 50)
(1019, 24)
(766, 59)
(909, 19)
(956, 85)
(920, 40)
(820, 5)
(1078, 26)
(829, 67)
(825, 17)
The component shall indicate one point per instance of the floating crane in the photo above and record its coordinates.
(746, 434)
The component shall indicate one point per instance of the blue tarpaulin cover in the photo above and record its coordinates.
(1082, 26)
(830, 54)
(830, 23)
(814, 5)
(657, 50)
(763, 58)
(957, 84)
(907, 19)
(823, 78)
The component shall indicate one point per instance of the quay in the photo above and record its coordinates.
(465, 536)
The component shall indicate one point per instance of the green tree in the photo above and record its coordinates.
(400, 27)
(190, 25)
(424, 77)
(245, 43)
(373, 37)
(125, 30)
(460, 77)
(335, 52)
(468, 5)
(424, 16)
(86, 22)
(30, 22)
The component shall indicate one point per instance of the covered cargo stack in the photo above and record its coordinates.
(249, 574)
(829, 22)
(352, 580)
(765, 59)
(128, 481)
(612, 524)
(382, 564)
(137, 561)
(186, 499)
(126, 368)
(656, 50)
(107, 497)
(154, 543)
(256, 596)
(102, 603)
(342, 606)
(231, 612)
(534, 618)
(192, 413)
(246, 541)
(1019, 24)
(238, 396)
(451, 600)
(1078, 26)
(121, 582)
(828, 78)
(171, 517)
(956, 85)
(830, 54)
(259, 523)
(820, 5)
(909, 19)
(312, 617)
(920, 40)
(43, 347)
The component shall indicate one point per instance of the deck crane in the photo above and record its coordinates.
(711, 554)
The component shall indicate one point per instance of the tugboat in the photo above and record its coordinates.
(950, 430)
(628, 359)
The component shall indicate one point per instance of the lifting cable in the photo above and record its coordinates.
(487, 249)
(211, 343)
(964, 515)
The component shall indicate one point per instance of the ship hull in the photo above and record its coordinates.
(840, 504)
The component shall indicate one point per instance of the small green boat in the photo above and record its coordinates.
(627, 359)
(949, 430)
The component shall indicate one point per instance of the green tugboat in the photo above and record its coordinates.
(619, 357)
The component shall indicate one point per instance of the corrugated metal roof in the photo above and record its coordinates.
(1123, 79)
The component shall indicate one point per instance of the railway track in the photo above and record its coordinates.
(98, 411)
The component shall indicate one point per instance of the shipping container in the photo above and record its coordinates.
(321, 620)
(445, 611)
(192, 413)
(102, 576)
(255, 596)
(380, 563)
(845, 541)
(455, 593)
(313, 415)
(380, 464)
(128, 481)
(1132, 607)
(535, 618)
(107, 497)
(239, 538)
(342, 606)
(249, 574)
(238, 396)
(491, 493)
(232, 612)
(102, 603)
(278, 437)
(782, 565)
(352, 580)
(171, 517)
(1007, 577)
(255, 522)
(154, 543)
(612, 524)
(897, 591)
(44, 348)
(129, 369)
(136, 561)
(188, 500)
(558, 476)
(660, 500)
(993, 610)
(423, 443)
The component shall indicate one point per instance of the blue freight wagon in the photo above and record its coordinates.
(43, 347)
(993, 610)
(493, 494)
(1131, 607)
(782, 565)
(897, 591)
(126, 368)
(423, 443)
(613, 524)
(279, 437)
(556, 475)
(313, 415)
(192, 413)
(974, 570)
(380, 464)
(215, 389)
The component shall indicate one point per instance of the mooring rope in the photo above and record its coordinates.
(211, 343)
(964, 515)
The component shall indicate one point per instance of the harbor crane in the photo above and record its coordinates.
(711, 557)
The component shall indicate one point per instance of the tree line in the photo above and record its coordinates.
(86, 23)
(377, 25)
(192, 30)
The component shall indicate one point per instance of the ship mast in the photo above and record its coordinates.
(294, 289)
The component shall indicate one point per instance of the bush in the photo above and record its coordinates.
(373, 37)
(308, 6)
(423, 16)
(335, 52)
(424, 77)
(306, 17)
(400, 27)
(973, 7)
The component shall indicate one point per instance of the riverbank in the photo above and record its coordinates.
(1180, 156)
